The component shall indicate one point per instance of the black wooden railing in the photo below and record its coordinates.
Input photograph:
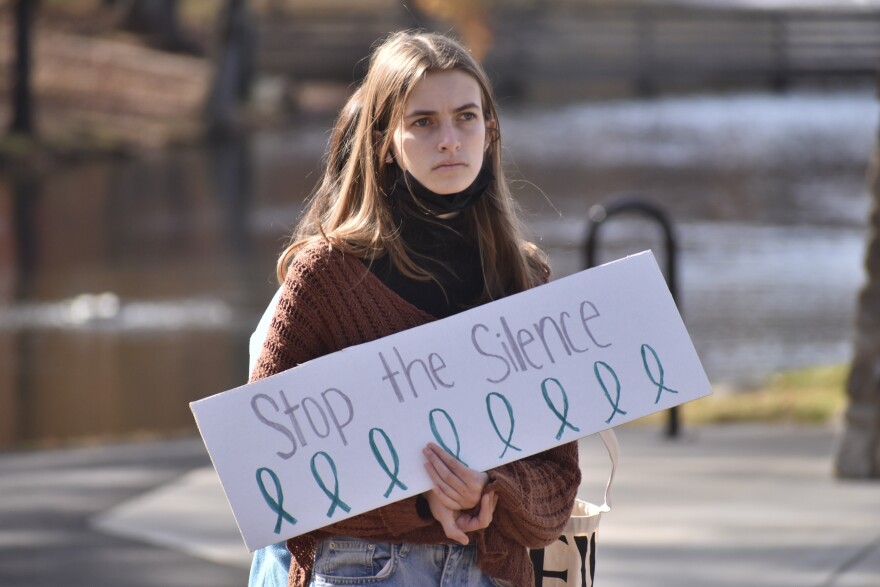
(554, 49)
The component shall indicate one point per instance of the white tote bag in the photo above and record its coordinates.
(571, 560)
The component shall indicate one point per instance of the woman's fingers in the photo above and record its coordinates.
(452, 531)
(443, 477)
(487, 508)
(446, 500)
(447, 518)
(469, 523)
(455, 522)
(459, 483)
(454, 467)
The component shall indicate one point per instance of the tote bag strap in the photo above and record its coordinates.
(609, 438)
(585, 516)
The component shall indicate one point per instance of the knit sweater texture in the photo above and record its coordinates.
(330, 301)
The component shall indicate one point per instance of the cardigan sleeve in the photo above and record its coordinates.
(535, 498)
(295, 332)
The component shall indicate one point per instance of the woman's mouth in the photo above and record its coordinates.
(450, 165)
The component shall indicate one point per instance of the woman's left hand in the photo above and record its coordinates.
(456, 523)
(457, 486)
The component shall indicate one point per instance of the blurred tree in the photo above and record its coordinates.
(469, 17)
(22, 98)
(233, 71)
(158, 20)
(859, 452)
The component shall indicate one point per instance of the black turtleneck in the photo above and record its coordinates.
(445, 247)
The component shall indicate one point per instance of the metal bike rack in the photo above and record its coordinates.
(601, 213)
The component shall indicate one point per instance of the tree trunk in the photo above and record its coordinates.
(157, 20)
(859, 452)
(22, 98)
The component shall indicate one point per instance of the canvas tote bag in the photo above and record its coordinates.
(571, 560)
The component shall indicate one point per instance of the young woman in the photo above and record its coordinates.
(413, 221)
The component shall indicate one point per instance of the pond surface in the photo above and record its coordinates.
(130, 288)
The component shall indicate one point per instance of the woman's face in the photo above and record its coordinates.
(442, 137)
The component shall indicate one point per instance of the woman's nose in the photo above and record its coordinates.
(449, 140)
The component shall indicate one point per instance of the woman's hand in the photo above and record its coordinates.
(455, 522)
(457, 486)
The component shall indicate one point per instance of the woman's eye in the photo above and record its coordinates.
(468, 116)
(422, 122)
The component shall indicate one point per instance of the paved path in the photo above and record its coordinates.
(725, 505)
(48, 500)
(737, 505)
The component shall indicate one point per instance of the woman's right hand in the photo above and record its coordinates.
(456, 484)
(456, 522)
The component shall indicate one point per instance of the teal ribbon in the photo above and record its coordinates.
(661, 387)
(439, 438)
(510, 419)
(333, 495)
(615, 403)
(562, 416)
(395, 480)
(276, 504)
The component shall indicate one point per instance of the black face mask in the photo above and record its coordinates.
(431, 203)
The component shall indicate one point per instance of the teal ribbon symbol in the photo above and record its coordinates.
(439, 438)
(616, 401)
(661, 387)
(333, 495)
(395, 480)
(276, 504)
(562, 416)
(507, 405)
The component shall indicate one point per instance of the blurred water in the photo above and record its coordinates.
(755, 131)
(130, 287)
(770, 201)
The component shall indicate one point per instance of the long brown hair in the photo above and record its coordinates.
(349, 209)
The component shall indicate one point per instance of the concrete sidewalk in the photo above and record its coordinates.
(48, 500)
(724, 505)
(736, 505)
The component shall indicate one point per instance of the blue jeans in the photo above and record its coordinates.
(354, 562)
(270, 566)
(351, 561)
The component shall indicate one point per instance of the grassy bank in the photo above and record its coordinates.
(816, 395)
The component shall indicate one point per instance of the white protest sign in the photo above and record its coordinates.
(343, 434)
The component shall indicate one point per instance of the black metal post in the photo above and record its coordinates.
(780, 51)
(646, 48)
(234, 71)
(22, 99)
(599, 214)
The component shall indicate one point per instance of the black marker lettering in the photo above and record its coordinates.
(333, 412)
(562, 317)
(540, 326)
(290, 411)
(435, 369)
(392, 377)
(519, 359)
(522, 345)
(275, 425)
(407, 369)
(506, 349)
(305, 406)
(487, 354)
(586, 319)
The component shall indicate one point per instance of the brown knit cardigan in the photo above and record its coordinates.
(331, 301)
